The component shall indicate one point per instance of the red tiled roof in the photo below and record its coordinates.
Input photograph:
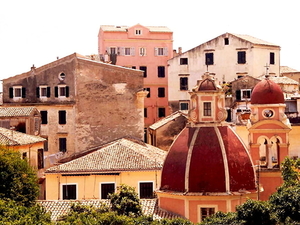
(121, 155)
(17, 111)
(59, 208)
(11, 137)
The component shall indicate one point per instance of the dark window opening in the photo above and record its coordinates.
(148, 95)
(184, 84)
(161, 92)
(206, 212)
(183, 61)
(209, 58)
(184, 106)
(161, 112)
(44, 117)
(107, 189)
(241, 57)
(24, 155)
(62, 117)
(145, 113)
(226, 41)
(21, 127)
(62, 144)
(272, 58)
(144, 68)
(146, 190)
(207, 108)
(161, 71)
(69, 192)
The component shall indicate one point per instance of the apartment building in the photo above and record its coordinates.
(145, 48)
(227, 57)
(83, 103)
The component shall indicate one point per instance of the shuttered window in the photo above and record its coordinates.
(62, 117)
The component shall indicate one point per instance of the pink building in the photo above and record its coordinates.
(145, 48)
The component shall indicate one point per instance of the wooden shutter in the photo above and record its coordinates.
(40, 158)
(23, 92)
(56, 91)
(155, 51)
(11, 92)
(48, 92)
(165, 51)
(132, 51)
(67, 91)
(238, 94)
(37, 92)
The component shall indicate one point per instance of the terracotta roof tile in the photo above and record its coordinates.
(121, 155)
(253, 40)
(58, 208)
(11, 137)
(16, 111)
(167, 119)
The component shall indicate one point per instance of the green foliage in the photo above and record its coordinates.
(126, 201)
(220, 218)
(290, 172)
(286, 203)
(18, 180)
(13, 213)
(178, 221)
(255, 212)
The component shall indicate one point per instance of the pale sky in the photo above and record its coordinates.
(38, 31)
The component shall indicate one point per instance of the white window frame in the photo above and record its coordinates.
(211, 109)
(16, 89)
(127, 50)
(60, 87)
(149, 181)
(100, 187)
(161, 51)
(61, 189)
(142, 51)
(43, 87)
(199, 215)
(242, 91)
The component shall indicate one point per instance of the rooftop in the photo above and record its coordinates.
(59, 208)
(125, 154)
(13, 138)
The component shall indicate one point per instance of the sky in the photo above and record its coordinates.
(36, 32)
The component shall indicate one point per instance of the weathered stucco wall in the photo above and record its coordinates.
(108, 106)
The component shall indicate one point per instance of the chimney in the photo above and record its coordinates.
(179, 50)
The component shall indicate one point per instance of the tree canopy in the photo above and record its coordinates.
(18, 180)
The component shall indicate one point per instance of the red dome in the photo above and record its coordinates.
(267, 92)
(207, 159)
(207, 85)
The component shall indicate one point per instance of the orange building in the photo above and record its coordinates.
(145, 48)
(269, 134)
(208, 168)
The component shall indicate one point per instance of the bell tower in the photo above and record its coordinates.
(268, 133)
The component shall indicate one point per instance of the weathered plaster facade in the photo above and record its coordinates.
(83, 103)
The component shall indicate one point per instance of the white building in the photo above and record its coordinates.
(228, 56)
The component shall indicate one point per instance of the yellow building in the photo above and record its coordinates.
(100, 171)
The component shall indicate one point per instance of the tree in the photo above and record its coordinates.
(254, 212)
(18, 180)
(12, 212)
(286, 201)
(126, 201)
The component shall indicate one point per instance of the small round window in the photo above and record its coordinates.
(62, 76)
(268, 113)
